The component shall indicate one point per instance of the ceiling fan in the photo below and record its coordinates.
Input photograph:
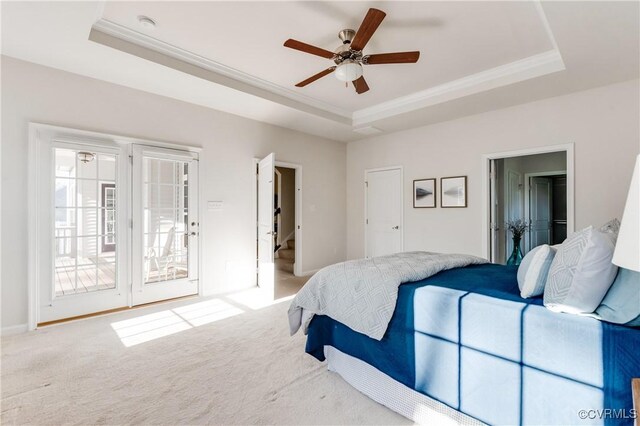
(349, 58)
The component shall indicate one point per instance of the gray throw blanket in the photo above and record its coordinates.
(362, 293)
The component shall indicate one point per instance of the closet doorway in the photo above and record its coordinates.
(534, 186)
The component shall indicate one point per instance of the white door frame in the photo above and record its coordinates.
(366, 204)
(297, 265)
(527, 189)
(45, 133)
(570, 172)
(278, 219)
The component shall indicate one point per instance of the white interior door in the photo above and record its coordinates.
(266, 209)
(539, 211)
(383, 220)
(165, 224)
(81, 229)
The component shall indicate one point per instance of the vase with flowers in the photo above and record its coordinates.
(517, 228)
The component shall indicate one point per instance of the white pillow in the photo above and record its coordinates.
(581, 272)
(533, 271)
(612, 227)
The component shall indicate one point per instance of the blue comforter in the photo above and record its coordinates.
(465, 338)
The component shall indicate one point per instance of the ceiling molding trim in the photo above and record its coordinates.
(121, 32)
(184, 60)
(514, 72)
(546, 25)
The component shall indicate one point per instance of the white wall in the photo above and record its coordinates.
(230, 143)
(603, 123)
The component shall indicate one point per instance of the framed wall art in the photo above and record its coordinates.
(424, 193)
(453, 191)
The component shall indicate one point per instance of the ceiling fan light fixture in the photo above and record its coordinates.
(348, 70)
(86, 157)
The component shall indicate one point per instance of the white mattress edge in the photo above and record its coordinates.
(393, 394)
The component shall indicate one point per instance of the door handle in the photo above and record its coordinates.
(395, 227)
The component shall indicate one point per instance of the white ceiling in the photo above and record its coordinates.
(456, 40)
(475, 56)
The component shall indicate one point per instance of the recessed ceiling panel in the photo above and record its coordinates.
(456, 39)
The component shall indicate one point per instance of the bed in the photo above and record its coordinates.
(463, 347)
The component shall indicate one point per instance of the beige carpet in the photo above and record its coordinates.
(285, 282)
(226, 360)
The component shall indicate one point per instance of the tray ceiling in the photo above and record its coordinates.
(475, 56)
(456, 39)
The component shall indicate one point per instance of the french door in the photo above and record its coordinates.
(165, 224)
(82, 229)
(114, 225)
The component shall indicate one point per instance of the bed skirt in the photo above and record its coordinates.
(393, 394)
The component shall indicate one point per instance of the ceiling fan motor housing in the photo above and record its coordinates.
(346, 35)
(344, 51)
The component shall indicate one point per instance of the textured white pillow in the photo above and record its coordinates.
(611, 227)
(581, 272)
(533, 271)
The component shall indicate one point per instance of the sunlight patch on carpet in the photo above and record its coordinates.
(165, 323)
(256, 298)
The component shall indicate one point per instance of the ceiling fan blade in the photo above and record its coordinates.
(369, 26)
(360, 85)
(315, 77)
(392, 58)
(304, 47)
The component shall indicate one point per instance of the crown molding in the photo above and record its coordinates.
(514, 72)
(545, 24)
(134, 42)
(142, 40)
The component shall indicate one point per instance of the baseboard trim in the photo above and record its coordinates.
(14, 329)
(310, 272)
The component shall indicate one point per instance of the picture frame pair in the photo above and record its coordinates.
(453, 192)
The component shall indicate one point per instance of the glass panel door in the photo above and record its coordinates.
(165, 229)
(82, 263)
(83, 273)
(165, 224)
(112, 226)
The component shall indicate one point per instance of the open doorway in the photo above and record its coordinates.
(279, 197)
(285, 220)
(533, 187)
